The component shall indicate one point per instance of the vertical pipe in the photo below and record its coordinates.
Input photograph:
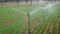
(43, 16)
(29, 23)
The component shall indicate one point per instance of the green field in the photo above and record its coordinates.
(14, 20)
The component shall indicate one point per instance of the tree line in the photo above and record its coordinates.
(17, 1)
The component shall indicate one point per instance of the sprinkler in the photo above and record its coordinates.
(37, 9)
(29, 23)
(28, 15)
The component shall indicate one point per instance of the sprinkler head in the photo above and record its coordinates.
(28, 14)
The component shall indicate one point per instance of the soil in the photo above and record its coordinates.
(11, 22)
(50, 28)
(59, 28)
(36, 21)
(54, 27)
(10, 32)
(44, 29)
(24, 31)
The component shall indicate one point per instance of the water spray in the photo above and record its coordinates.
(36, 9)
(18, 10)
(28, 15)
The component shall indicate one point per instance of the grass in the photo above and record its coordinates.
(18, 19)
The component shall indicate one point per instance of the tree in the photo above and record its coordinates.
(5, 1)
(38, 1)
(26, 1)
(51, 1)
(1, 1)
(17, 2)
(31, 2)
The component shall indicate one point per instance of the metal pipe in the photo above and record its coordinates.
(29, 23)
